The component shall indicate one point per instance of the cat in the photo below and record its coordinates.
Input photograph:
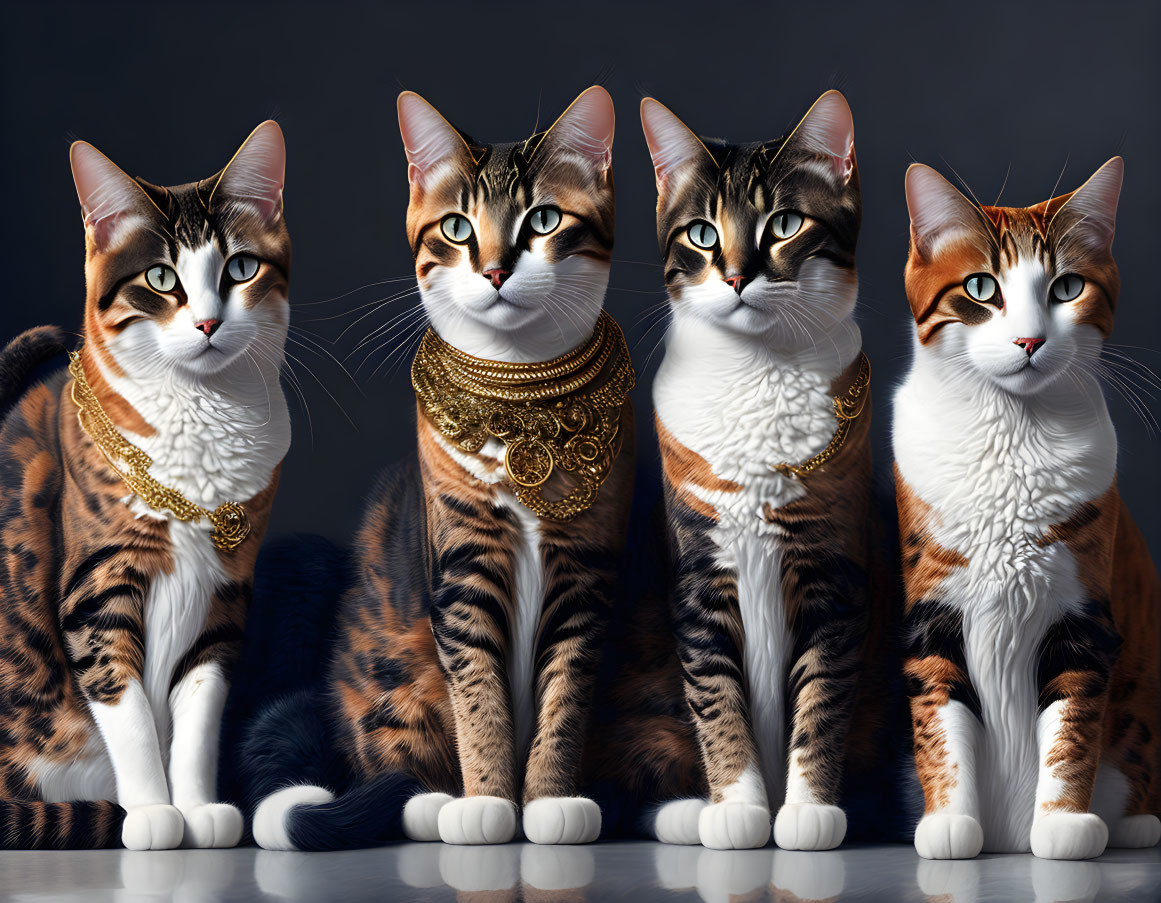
(119, 621)
(770, 597)
(465, 653)
(1032, 602)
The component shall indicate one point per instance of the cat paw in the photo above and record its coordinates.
(421, 815)
(1069, 835)
(1135, 832)
(271, 826)
(157, 827)
(212, 825)
(946, 836)
(677, 821)
(808, 826)
(477, 819)
(562, 819)
(733, 826)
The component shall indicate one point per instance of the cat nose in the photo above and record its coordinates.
(209, 327)
(1029, 345)
(736, 283)
(497, 276)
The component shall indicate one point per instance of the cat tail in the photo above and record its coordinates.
(297, 789)
(22, 357)
(37, 825)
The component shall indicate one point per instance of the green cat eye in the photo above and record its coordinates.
(783, 225)
(543, 220)
(242, 267)
(161, 278)
(456, 228)
(981, 287)
(1067, 287)
(702, 234)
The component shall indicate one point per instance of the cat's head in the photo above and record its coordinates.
(759, 239)
(1017, 296)
(512, 242)
(189, 278)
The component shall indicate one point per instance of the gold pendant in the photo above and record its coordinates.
(231, 526)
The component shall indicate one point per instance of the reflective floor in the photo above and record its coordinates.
(612, 871)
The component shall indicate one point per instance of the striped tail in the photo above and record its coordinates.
(36, 825)
(23, 357)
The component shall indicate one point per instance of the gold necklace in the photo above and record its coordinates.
(564, 413)
(847, 409)
(231, 526)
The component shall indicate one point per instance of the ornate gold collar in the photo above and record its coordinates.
(559, 414)
(231, 526)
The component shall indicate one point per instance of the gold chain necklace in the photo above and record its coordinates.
(231, 526)
(847, 409)
(564, 413)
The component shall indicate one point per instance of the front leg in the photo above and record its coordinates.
(1075, 661)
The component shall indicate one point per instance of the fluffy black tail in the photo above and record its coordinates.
(36, 825)
(23, 356)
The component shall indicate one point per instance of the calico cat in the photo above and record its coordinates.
(1032, 602)
(767, 492)
(461, 680)
(120, 620)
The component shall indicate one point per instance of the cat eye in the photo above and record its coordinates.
(543, 220)
(784, 225)
(702, 234)
(1067, 287)
(981, 287)
(161, 279)
(456, 228)
(242, 267)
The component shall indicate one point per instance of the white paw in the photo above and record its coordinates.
(421, 815)
(1136, 832)
(1069, 835)
(946, 836)
(271, 818)
(808, 826)
(733, 826)
(676, 822)
(213, 825)
(157, 827)
(477, 819)
(562, 819)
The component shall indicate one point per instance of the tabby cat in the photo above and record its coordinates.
(1032, 621)
(119, 620)
(465, 657)
(767, 491)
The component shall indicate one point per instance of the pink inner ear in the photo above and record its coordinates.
(428, 139)
(258, 171)
(671, 143)
(830, 129)
(105, 192)
(586, 127)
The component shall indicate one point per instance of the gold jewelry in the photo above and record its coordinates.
(847, 409)
(231, 526)
(564, 413)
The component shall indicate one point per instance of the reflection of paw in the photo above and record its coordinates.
(809, 876)
(562, 819)
(734, 826)
(212, 825)
(726, 875)
(1065, 882)
(946, 836)
(156, 827)
(676, 822)
(477, 819)
(483, 868)
(808, 826)
(272, 817)
(951, 879)
(556, 867)
(421, 815)
(1069, 835)
(1135, 832)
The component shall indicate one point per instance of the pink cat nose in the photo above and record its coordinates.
(209, 327)
(736, 283)
(498, 276)
(1029, 345)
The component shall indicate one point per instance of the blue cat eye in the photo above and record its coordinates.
(544, 220)
(161, 279)
(702, 234)
(1067, 287)
(456, 228)
(786, 224)
(242, 267)
(981, 287)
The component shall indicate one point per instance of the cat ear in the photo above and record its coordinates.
(586, 127)
(1092, 208)
(106, 193)
(428, 138)
(937, 208)
(257, 172)
(829, 128)
(671, 143)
